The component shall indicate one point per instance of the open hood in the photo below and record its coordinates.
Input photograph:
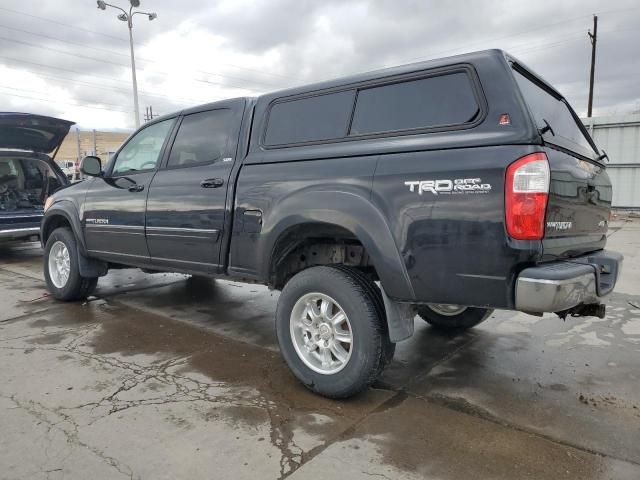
(25, 131)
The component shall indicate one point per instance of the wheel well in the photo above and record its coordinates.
(54, 222)
(312, 244)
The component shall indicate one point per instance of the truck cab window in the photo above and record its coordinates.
(203, 138)
(143, 150)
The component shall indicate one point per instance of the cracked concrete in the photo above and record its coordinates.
(165, 376)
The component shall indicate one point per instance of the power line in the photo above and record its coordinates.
(550, 41)
(116, 89)
(60, 102)
(51, 49)
(93, 32)
(63, 69)
(26, 62)
(83, 45)
(547, 46)
(153, 61)
(51, 67)
(79, 99)
(466, 47)
(99, 60)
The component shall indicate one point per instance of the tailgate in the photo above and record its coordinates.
(578, 208)
(580, 190)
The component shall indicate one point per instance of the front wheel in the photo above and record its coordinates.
(61, 270)
(331, 331)
(453, 317)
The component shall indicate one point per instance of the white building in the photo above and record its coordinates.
(619, 136)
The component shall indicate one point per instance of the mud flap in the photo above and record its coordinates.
(90, 267)
(400, 318)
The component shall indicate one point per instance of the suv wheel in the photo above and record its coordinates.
(331, 330)
(61, 267)
(453, 317)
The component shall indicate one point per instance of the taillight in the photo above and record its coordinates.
(526, 194)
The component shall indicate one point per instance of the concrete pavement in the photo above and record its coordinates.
(164, 376)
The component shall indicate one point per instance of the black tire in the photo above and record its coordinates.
(468, 318)
(362, 305)
(374, 291)
(76, 287)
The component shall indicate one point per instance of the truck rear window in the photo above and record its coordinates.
(545, 105)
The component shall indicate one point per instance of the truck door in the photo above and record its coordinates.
(115, 204)
(186, 203)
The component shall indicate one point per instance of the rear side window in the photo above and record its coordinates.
(415, 104)
(546, 106)
(202, 138)
(324, 117)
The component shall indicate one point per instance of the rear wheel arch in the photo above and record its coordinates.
(346, 212)
(310, 244)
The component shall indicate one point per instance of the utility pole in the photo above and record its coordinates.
(594, 38)
(148, 114)
(78, 145)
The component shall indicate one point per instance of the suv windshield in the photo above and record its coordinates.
(546, 106)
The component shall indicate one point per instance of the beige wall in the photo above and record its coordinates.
(105, 142)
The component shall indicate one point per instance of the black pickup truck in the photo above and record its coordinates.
(447, 188)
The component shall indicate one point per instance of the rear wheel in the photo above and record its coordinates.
(61, 270)
(331, 330)
(453, 317)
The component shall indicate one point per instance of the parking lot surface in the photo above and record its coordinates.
(165, 376)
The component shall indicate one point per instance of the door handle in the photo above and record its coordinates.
(212, 183)
(136, 188)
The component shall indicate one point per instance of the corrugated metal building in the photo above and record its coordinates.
(619, 136)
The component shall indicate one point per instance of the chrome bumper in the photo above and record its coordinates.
(559, 286)
(16, 233)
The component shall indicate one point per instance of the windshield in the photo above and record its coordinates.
(549, 109)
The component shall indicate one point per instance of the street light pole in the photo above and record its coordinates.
(133, 74)
(128, 17)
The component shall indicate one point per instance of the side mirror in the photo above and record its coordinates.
(91, 166)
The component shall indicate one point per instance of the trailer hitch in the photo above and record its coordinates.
(588, 310)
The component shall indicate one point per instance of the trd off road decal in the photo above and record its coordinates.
(449, 187)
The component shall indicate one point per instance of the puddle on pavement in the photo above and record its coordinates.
(252, 385)
(431, 441)
(258, 387)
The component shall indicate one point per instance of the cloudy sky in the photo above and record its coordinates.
(69, 59)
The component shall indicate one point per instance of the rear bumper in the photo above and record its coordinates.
(562, 285)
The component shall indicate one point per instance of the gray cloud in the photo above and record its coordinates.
(306, 41)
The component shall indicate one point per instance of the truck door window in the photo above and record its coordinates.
(415, 104)
(202, 138)
(143, 150)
